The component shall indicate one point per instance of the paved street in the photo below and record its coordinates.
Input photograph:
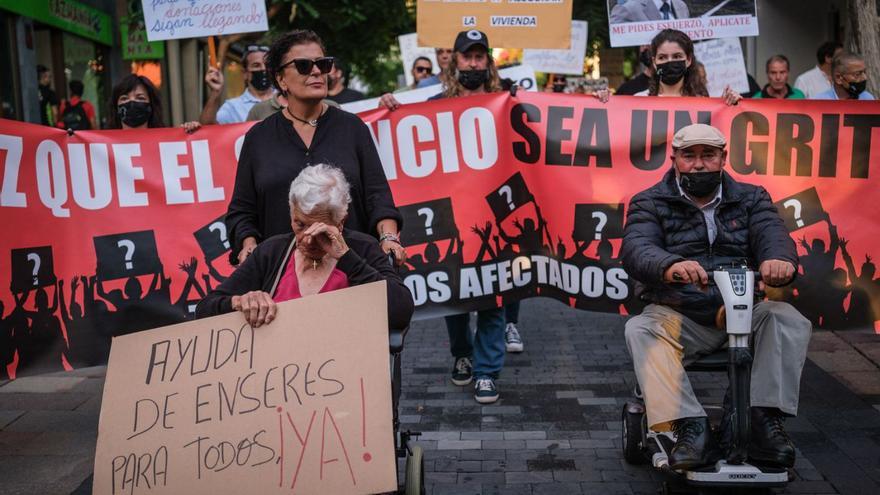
(555, 430)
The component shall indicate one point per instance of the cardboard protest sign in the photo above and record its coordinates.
(569, 61)
(511, 24)
(636, 22)
(169, 20)
(410, 51)
(724, 63)
(302, 405)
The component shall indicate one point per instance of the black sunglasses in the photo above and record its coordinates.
(304, 65)
(423, 69)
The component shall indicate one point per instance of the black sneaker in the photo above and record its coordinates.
(485, 391)
(462, 371)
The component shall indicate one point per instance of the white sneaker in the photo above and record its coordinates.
(512, 339)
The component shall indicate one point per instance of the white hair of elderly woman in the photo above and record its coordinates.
(321, 188)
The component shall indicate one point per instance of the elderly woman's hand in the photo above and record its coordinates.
(328, 237)
(257, 306)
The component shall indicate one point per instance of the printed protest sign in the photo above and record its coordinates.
(569, 61)
(724, 63)
(302, 405)
(511, 24)
(636, 22)
(173, 19)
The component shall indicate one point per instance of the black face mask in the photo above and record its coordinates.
(473, 79)
(672, 72)
(260, 80)
(856, 88)
(559, 87)
(699, 184)
(134, 113)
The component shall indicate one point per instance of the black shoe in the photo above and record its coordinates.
(694, 445)
(770, 444)
(462, 371)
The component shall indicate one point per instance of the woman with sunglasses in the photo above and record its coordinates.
(304, 133)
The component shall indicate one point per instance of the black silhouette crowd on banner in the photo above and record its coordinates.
(831, 296)
(91, 315)
(76, 321)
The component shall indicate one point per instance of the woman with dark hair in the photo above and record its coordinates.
(306, 132)
(135, 104)
(675, 69)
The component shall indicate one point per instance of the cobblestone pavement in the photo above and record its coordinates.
(556, 429)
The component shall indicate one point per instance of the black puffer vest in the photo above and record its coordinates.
(663, 228)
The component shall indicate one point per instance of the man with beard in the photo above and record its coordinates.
(258, 87)
(472, 71)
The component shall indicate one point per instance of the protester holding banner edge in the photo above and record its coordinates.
(675, 72)
(319, 256)
(307, 131)
(135, 104)
(472, 71)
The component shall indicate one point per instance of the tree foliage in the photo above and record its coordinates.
(364, 32)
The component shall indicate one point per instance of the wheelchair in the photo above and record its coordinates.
(641, 445)
(404, 446)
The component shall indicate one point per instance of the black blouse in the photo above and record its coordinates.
(273, 154)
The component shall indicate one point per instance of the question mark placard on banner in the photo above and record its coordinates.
(213, 238)
(597, 221)
(428, 221)
(128, 254)
(509, 196)
(801, 210)
(32, 268)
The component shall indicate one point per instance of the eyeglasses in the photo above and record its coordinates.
(421, 70)
(304, 65)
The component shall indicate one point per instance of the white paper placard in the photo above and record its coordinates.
(569, 61)
(725, 65)
(176, 19)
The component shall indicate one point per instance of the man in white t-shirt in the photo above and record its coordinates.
(818, 79)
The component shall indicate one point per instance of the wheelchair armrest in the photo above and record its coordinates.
(396, 338)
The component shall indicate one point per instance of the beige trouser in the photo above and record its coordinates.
(662, 342)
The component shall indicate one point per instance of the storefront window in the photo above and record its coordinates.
(9, 107)
(84, 62)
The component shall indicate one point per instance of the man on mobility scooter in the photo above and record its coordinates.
(696, 219)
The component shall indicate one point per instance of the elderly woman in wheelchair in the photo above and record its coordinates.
(319, 256)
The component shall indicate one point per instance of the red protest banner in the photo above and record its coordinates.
(109, 232)
(538, 184)
(504, 197)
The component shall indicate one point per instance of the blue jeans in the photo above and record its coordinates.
(511, 313)
(487, 348)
